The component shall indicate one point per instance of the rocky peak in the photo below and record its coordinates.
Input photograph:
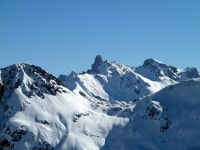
(155, 64)
(152, 62)
(98, 61)
(192, 72)
(151, 68)
(154, 70)
(32, 80)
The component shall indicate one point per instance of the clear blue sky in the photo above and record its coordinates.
(66, 35)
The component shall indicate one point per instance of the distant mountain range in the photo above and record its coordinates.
(110, 107)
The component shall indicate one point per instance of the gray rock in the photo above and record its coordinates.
(98, 61)
(192, 72)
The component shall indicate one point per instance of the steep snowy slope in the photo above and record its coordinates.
(112, 81)
(38, 112)
(168, 120)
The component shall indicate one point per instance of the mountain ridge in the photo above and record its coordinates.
(130, 82)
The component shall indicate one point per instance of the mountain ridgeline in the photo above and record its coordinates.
(110, 106)
(112, 81)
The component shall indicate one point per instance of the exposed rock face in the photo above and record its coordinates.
(1, 90)
(46, 75)
(14, 75)
(98, 61)
(192, 72)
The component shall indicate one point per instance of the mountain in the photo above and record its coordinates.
(157, 71)
(115, 82)
(38, 112)
(110, 106)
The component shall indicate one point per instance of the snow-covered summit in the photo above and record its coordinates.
(27, 80)
(157, 71)
(32, 79)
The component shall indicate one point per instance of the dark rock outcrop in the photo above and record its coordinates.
(1, 90)
(192, 72)
(95, 66)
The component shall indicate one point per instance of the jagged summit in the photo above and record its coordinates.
(31, 70)
(98, 61)
(31, 79)
(95, 66)
(107, 67)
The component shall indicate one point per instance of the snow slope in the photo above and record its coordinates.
(168, 120)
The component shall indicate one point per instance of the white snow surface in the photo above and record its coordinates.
(88, 132)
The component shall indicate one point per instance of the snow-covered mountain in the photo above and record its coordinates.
(111, 106)
(157, 71)
(111, 81)
(38, 112)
